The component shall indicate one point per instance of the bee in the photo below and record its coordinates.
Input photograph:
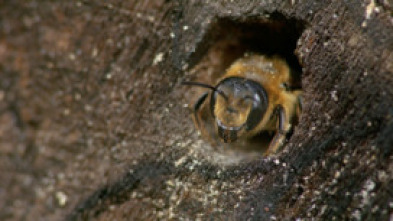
(253, 96)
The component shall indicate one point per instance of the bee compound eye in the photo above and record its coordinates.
(260, 103)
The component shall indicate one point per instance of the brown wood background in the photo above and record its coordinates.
(93, 123)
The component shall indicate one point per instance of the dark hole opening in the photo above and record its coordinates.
(229, 39)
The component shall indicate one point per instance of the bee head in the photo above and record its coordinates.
(237, 105)
(240, 110)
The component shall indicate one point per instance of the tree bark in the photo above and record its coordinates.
(94, 124)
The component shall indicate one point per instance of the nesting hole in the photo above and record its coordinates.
(230, 39)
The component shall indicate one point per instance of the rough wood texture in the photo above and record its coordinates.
(93, 123)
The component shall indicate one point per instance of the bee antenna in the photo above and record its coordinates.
(192, 83)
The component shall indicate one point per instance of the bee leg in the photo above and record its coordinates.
(283, 129)
(299, 106)
(197, 117)
(197, 107)
(199, 123)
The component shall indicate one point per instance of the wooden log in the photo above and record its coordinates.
(94, 124)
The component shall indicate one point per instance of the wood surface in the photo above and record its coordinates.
(94, 124)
